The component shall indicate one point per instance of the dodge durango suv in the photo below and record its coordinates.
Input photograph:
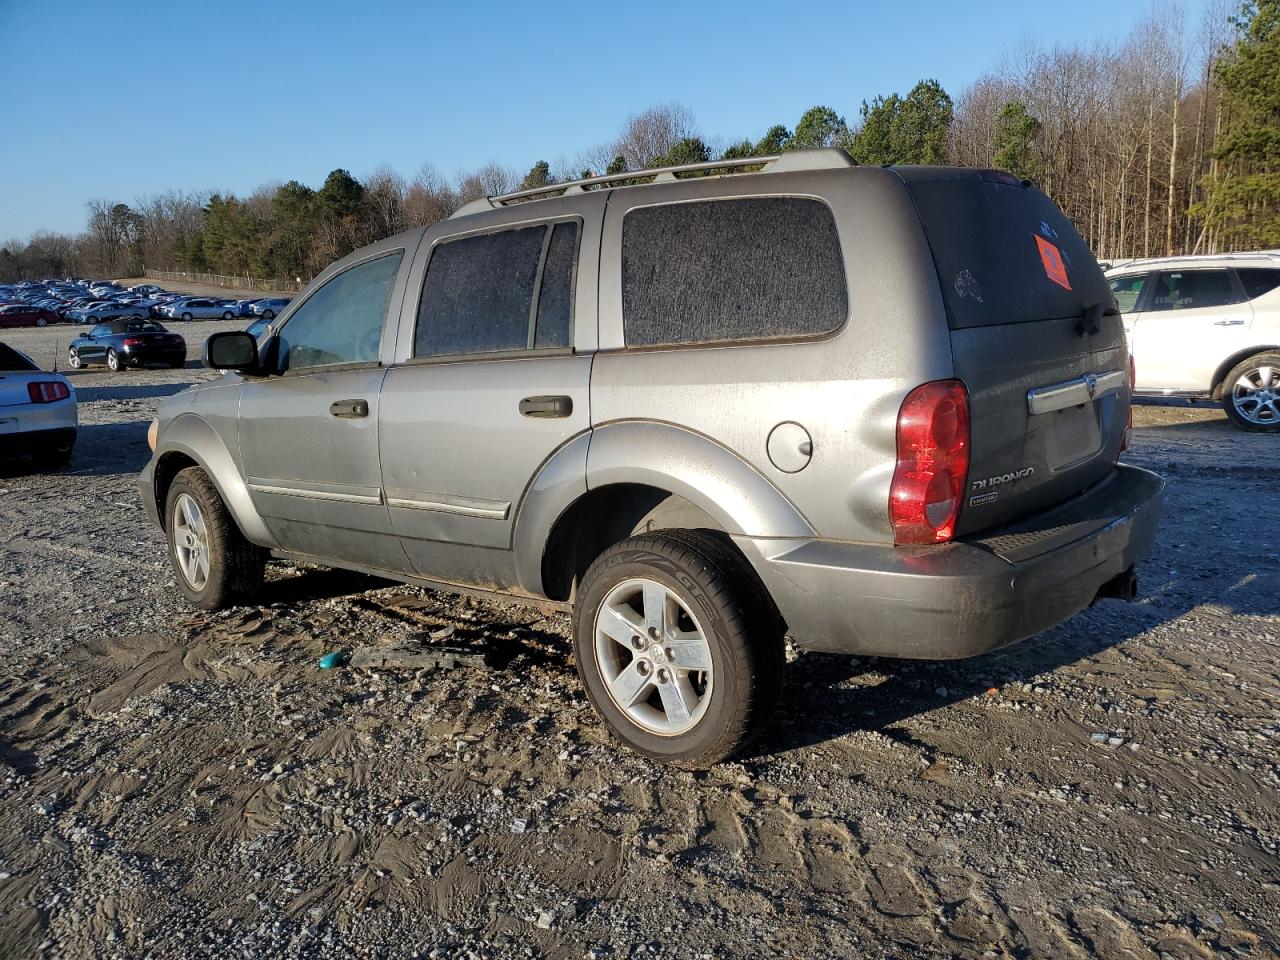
(879, 408)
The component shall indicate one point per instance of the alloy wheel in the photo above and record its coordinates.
(653, 657)
(1256, 396)
(191, 541)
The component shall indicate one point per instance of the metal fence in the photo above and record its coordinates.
(238, 283)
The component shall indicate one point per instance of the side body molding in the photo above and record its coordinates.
(708, 475)
(191, 435)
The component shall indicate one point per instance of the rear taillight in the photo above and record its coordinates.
(933, 463)
(47, 391)
(133, 341)
(1133, 382)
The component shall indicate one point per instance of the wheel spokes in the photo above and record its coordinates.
(678, 700)
(618, 626)
(656, 599)
(688, 651)
(629, 684)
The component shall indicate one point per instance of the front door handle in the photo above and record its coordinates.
(1228, 323)
(546, 406)
(349, 409)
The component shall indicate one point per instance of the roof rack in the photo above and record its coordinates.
(828, 158)
(1133, 261)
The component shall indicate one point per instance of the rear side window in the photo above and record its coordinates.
(1127, 290)
(11, 359)
(499, 292)
(1188, 289)
(1258, 280)
(1004, 252)
(723, 270)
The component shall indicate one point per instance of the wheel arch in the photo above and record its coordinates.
(190, 441)
(643, 476)
(1218, 383)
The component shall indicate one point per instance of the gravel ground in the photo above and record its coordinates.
(178, 784)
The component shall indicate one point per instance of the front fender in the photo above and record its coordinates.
(190, 435)
(704, 472)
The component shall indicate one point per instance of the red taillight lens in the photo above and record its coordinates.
(47, 391)
(933, 463)
(133, 341)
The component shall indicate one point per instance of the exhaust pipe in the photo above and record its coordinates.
(1123, 586)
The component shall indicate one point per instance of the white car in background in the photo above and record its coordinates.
(38, 414)
(1206, 327)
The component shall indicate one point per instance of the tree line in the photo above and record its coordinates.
(1166, 142)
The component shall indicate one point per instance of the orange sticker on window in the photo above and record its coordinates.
(1051, 257)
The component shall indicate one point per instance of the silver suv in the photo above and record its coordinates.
(879, 408)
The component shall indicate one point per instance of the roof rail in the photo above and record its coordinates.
(1133, 261)
(824, 159)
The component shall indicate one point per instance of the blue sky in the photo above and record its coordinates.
(120, 100)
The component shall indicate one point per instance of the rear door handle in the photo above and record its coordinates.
(546, 406)
(349, 409)
(1228, 323)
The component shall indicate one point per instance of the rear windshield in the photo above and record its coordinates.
(1005, 253)
(11, 359)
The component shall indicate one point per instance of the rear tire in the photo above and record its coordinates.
(1251, 394)
(228, 315)
(215, 566)
(268, 315)
(187, 317)
(694, 603)
(113, 361)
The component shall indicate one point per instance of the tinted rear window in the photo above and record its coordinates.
(11, 359)
(1005, 253)
(1258, 280)
(722, 270)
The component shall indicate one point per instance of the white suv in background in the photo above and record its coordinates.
(1206, 326)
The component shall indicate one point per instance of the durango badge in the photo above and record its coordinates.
(1003, 479)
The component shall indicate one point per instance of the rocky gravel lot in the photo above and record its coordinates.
(179, 784)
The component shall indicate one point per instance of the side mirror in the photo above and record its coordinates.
(231, 350)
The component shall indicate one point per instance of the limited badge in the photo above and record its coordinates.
(1051, 257)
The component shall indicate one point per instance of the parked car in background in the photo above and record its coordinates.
(244, 308)
(268, 308)
(1206, 327)
(660, 410)
(111, 310)
(38, 415)
(199, 308)
(127, 343)
(26, 315)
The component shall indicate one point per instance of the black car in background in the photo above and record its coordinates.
(122, 343)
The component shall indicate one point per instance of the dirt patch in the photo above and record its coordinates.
(175, 784)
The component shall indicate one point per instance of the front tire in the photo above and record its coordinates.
(268, 314)
(228, 315)
(1251, 394)
(678, 646)
(187, 317)
(113, 361)
(216, 567)
(41, 322)
(73, 360)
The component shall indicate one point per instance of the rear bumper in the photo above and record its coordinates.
(35, 441)
(964, 598)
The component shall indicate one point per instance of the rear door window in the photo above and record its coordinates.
(1128, 290)
(1004, 252)
(1258, 280)
(500, 292)
(1190, 289)
(731, 270)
